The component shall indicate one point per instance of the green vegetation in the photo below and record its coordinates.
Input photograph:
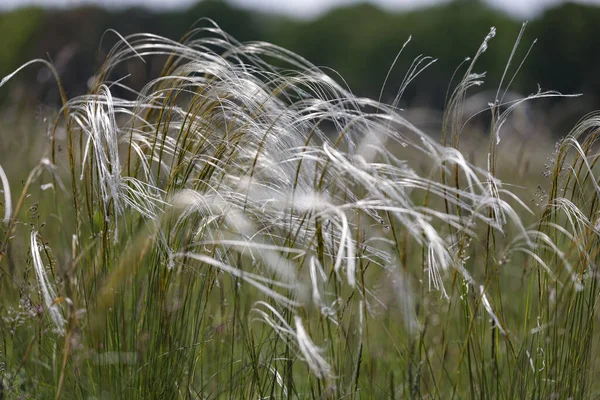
(246, 227)
(17, 30)
(359, 41)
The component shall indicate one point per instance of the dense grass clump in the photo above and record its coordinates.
(244, 226)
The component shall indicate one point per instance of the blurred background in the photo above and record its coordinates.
(358, 39)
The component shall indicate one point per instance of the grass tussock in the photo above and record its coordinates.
(245, 226)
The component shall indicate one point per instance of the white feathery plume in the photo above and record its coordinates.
(48, 294)
(7, 198)
(311, 353)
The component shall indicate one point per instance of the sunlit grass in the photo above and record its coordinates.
(244, 230)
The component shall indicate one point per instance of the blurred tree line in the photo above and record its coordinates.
(359, 41)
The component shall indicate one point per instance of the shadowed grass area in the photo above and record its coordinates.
(246, 230)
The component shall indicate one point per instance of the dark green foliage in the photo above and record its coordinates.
(359, 41)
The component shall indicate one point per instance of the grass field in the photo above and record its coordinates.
(246, 227)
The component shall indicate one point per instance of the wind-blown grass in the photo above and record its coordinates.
(245, 226)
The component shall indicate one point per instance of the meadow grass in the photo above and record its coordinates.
(245, 227)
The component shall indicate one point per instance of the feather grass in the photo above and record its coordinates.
(246, 226)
